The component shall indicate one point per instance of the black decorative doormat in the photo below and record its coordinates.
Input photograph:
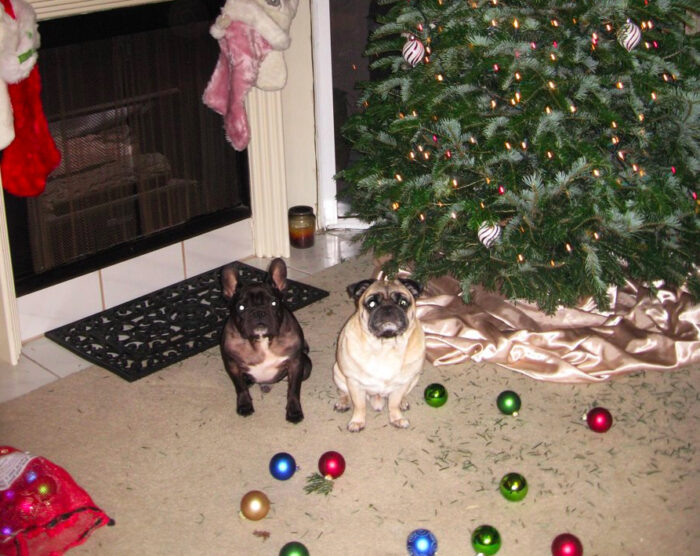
(144, 335)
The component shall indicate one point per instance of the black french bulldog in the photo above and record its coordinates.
(262, 341)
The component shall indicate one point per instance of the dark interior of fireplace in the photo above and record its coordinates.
(144, 162)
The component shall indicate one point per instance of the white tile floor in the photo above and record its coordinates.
(43, 361)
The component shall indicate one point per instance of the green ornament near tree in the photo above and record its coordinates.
(513, 487)
(294, 548)
(508, 402)
(486, 540)
(435, 395)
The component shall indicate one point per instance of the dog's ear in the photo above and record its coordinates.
(411, 285)
(277, 274)
(229, 281)
(358, 288)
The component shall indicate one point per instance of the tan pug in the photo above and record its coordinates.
(381, 350)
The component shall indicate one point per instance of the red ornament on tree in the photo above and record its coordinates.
(331, 465)
(566, 544)
(599, 419)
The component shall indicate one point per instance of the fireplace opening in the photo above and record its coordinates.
(144, 162)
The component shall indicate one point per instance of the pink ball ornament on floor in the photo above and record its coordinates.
(566, 544)
(331, 465)
(599, 419)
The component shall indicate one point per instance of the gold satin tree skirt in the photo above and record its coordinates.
(642, 331)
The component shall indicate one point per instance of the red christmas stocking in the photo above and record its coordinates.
(30, 158)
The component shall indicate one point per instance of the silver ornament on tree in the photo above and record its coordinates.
(413, 51)
(629, 35)
(488, 233)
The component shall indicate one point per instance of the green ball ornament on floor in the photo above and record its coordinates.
(294, 548)
(486, 540)
(435, 395)
(513, 487)
(508, 402)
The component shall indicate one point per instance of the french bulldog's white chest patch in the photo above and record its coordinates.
(268, 369)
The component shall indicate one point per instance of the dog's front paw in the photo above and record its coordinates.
(294, 412)
(402, 423)
(404, 406)
(244, 405)
(356, 426)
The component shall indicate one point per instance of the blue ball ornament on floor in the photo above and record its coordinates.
(422, 542)
(282, 466)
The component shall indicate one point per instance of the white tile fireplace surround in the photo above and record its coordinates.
(265, 234)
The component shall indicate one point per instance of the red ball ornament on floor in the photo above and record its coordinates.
(566, 544)
(331, 465)
(599, 419)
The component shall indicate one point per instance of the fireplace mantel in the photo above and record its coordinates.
(266, 160)
(50, 9)
(282, 155)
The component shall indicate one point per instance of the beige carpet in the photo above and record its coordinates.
(168, 458)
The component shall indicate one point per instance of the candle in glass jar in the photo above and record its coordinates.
(302, 226)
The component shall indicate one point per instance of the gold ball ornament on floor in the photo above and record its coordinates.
(255, 505)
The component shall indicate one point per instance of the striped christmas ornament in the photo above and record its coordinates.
(488, 234)
(629, 36)
(413, 51)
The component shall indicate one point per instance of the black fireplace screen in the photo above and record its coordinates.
(142, 156)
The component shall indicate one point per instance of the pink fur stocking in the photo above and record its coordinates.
(242, 51)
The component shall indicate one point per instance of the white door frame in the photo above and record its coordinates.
(323, 108)
(325, 125)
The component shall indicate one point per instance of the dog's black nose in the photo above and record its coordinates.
(259, 314)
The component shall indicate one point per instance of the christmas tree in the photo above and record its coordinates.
(543, 149)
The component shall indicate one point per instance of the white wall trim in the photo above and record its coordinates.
(323, 102)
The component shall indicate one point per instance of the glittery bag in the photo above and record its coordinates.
(42, 510)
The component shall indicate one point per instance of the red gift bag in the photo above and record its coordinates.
(42, 510)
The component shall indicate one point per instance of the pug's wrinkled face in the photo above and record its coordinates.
(387, 309)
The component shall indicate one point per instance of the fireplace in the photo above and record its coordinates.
(144, 162)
